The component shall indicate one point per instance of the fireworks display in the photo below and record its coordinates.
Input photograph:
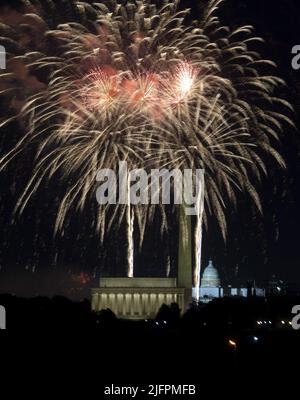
(141, 83)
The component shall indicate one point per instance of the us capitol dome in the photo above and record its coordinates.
(211, 287)
(210, 276)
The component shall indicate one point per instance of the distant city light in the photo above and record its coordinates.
(232, 343)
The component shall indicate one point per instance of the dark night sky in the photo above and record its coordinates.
(257, 246)
(261, 246)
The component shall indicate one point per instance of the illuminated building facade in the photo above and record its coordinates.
(136, 298)
(211, 287)
(141, 298)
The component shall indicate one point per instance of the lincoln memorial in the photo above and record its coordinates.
(141, 298)
(136, 298)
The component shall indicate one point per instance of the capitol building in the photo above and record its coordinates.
(212, 288)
